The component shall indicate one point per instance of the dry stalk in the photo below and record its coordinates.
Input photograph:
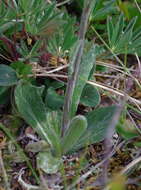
(139, 64)
(120, 93)
(137, 6)
(130, 165)
(63, 3)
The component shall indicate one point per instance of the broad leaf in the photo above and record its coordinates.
(53, 100)
(37, 146)
(48, 163)
(22, 69)
(8, 76)
(126, 129)
(90, 96)
(86, 65)
(30, 105)
(54, 84)
(99, 121)
(57, 84)
(4, 94)
(76, 128)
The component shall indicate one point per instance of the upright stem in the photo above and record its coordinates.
(76, 64)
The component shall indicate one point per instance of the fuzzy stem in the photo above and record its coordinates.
(76, 64)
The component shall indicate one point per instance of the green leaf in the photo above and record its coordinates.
(30, 105)
(8, 76)
(35, 49)
(99, 121)
(59, 44)
(102, 9)
(138, 144)
(57, 84)
(126, 129)
(90, 96)
(48, 163)
(37, 146)
(53, 100)
(123, 38)
(54, 123)
(22, 69)
(42, 18)
(6, 26)
(130, 11)
(16, 157)
(4, 94)
(118, 29)
(76, 128)
(86, 66)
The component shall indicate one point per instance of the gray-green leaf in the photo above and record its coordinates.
(90, 96)
(76, 128)
(99, 121)
(48, 163)
(86, 65)
(8, 76)
(30, 105)
(37, 146)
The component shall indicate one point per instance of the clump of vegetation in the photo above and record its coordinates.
(57, 105)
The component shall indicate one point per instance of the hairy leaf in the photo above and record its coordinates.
(99, 121)
(86, 65)
(33, 110)
(37, 146)
(76, 128)
(48, 163)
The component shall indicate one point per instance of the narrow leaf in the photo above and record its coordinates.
(6, 26)
(85, 67)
